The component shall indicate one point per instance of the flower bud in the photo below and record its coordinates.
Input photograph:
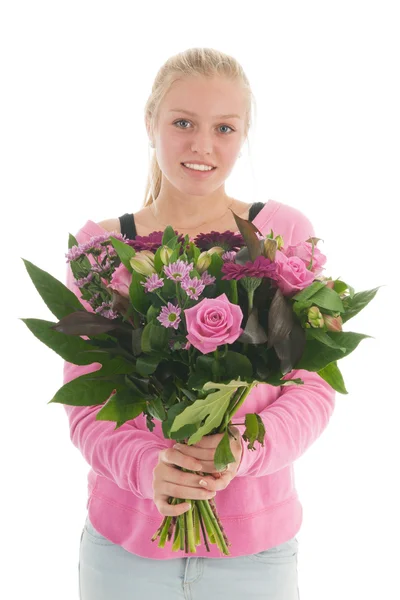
(165, 254)
(142, 263)
(203, 262)
(216, 249)
(315, 317)
(333, 323)
(330, 284)
(148, 253)
(279, 241)
(270, 247)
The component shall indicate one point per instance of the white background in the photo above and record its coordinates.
(75, 77)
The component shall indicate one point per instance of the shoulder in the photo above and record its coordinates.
(290, 222)
(110, 225)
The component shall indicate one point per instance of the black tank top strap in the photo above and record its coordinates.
(255, 209)
(128, 227)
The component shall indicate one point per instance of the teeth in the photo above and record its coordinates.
(198, 167)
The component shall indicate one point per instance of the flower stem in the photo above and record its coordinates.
(242, 397)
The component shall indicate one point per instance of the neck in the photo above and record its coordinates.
(189, 215)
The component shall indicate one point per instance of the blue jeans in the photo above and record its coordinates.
(109, 572)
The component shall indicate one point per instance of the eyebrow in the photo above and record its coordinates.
(192, 114)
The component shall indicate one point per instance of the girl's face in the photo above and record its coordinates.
(212, 134)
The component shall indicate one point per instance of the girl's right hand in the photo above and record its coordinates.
(170, 481)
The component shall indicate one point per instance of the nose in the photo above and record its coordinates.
(201, 143)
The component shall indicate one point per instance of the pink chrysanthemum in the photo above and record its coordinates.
(229, 255)
(169, 316)
(152, 282)
(226, 240)
(178, 270)
(261, 267)
(206, 278)
(193, 287)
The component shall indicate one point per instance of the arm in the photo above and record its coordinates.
(300, 413)
(292, 423)
(126, 455)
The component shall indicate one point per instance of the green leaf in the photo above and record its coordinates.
(324, 338)
(236, 365)
(255, 430)
(340, 287)
(172, 412)
(147, 364)
(59, 299)
(309, 292)
(197, 380)
(86, 391)
(124, 251)
(357, 303)
(156, 409)
(154, 337)
(140, 300)
(72, 241)
(317, 356)
(121, 407)
(223, 453)
(333, 376)
(169, 238)
(71, 349)
(212, 409)
(329, 299)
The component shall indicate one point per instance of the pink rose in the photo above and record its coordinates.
(212, 322)
(304, 251)
(121, 280)
(292, 274)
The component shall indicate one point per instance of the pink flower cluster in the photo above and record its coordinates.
(294, 268)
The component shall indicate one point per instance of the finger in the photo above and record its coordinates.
(169, 510)
(174, 457)
(205, 481)
(186, 492)
(200, 454)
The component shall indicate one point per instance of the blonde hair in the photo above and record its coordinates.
(205, 62)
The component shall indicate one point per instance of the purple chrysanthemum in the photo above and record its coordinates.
(102, 268)
(150, 242)
(206, 278)
(105, 310)
(84, 280)
(95, 244)
(228, 240)
(261, 267)
(229, 255)
(178, 270)
(152, 282)
(169, 316)
(193, 287)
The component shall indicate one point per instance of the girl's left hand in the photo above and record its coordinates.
(204, 452)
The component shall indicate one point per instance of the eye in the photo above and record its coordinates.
(186, 121)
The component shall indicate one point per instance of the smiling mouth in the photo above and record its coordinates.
(212, 168)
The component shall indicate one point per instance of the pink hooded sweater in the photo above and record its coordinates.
(260, 508)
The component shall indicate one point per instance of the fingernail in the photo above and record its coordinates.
(202, 482)
(177, 446)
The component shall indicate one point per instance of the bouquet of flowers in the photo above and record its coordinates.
(183, 329)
